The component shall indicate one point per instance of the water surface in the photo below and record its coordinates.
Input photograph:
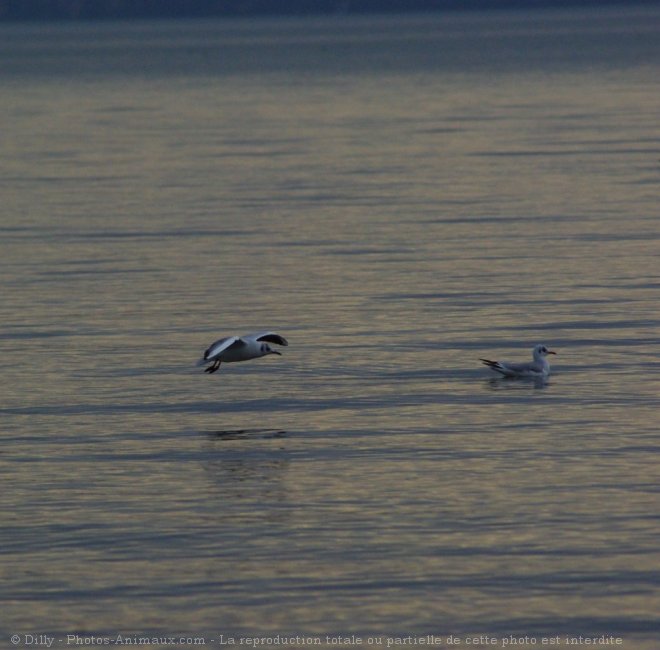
(398, 197)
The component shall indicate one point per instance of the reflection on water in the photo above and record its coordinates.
(399, 200)
(242, 434)
(516, 383)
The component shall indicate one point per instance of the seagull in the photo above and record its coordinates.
(240, 348)
(539, 368)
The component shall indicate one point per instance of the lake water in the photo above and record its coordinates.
(398, 197)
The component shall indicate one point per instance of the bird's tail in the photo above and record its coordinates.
(493, 365)
(201, 362)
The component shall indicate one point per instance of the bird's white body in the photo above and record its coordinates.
(240, 348)
(539, 368)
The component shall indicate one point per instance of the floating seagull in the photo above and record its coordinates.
(539, 368)
(240, 348)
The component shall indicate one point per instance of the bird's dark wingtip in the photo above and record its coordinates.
(270, 337)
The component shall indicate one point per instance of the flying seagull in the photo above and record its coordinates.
(539, 368)
(240, 348)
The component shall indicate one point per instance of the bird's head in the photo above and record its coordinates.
(266, 349)
(541, 351)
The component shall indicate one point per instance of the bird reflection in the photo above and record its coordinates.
(253, 467)
(242, 434)
(516, 383)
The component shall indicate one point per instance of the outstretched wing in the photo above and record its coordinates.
(220, 346)
(268, 337)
